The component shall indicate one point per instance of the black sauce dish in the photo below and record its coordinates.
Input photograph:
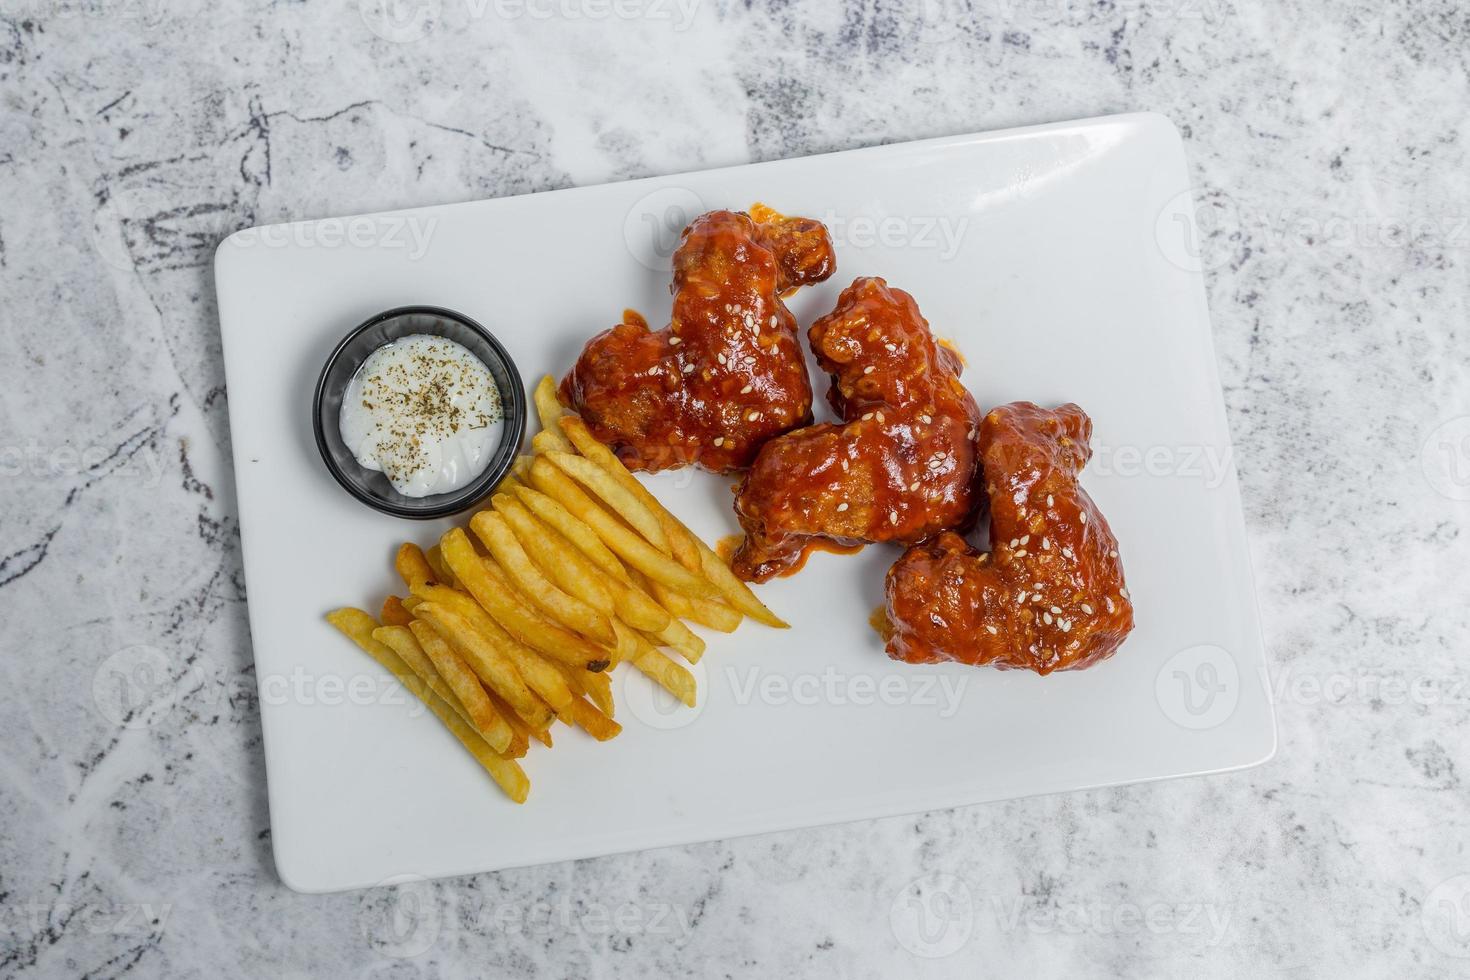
(372, 487)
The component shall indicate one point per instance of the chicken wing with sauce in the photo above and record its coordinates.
(1050, 594)
(900, 467)
(728, 373)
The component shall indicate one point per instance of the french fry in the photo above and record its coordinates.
(454, 672)
(705, 612)
(637, 552)
(394, 613)
(497, 536)
(484, 580)
(412, 566)
(574, 530)
(593, 721)
(668, 674)
(442, 571)
(547, 442)
(599, 688)
(621, 500)
(520, 740)
(492, 666)
(538, 674)
(575, 572)
(549, 408)
(676, 634)
(736, 592)
(566, 566)
(406, 642)
(507, 773)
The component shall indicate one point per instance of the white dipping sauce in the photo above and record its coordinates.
(425, 411)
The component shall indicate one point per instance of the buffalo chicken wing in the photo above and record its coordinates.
(900, 467)
(1050, 594)
(728, 372)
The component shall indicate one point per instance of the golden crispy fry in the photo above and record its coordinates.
(624, 542)
(557, 559)
(598, 687)
(455, 673)
(442, 571)
(521, 468)
(574, 530)
(615, 495)
(592, 721)
(394, 613)
(412, 566)
(538, 674)
(493, 667)
(577, 575)
(497, 536)
(520, 740)
(358, 626)
(705, 612)
(676, 634)
(669, 675)
(736, 592)
(550, 410)
(546, 442)
(406, 642)
(484, 581)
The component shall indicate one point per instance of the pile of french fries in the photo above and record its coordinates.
(573, 569)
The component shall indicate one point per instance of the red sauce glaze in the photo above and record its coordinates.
(900, 467)
(1050, 594)
(727, 374)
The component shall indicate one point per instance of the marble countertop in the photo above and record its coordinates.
(1327, 141)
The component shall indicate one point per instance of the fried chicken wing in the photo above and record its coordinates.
(1050, 594)
(728, 373)
(900, 467)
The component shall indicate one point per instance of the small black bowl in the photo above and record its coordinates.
(372, 487)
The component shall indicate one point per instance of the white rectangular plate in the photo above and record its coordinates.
(1057, 258)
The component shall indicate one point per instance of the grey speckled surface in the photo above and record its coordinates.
(1328, 145)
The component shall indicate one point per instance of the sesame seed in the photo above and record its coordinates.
(844, 466)
(1021, 552)
(1113, 553)
(1049, 500)
(1014, 542)
(1021, 599)
(925, 419)
(913, 486)
(1046, 618)
(1026, 539)
(893, 517)
(1087, 609)
(1123, 591)
(750, 359)
(689, 369)
(870, 369)
(753, 416)
(1065, 624)
(1045, 544)
(1068, 552)
(719, 440)
(881, 418)
(747, 389)
(867, 416)
(1056, 610)
(720, 358)
(1037, 586)
(1108, 601)
(675, 341)
(842, 507)
(992, 630)
(1082, 516)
